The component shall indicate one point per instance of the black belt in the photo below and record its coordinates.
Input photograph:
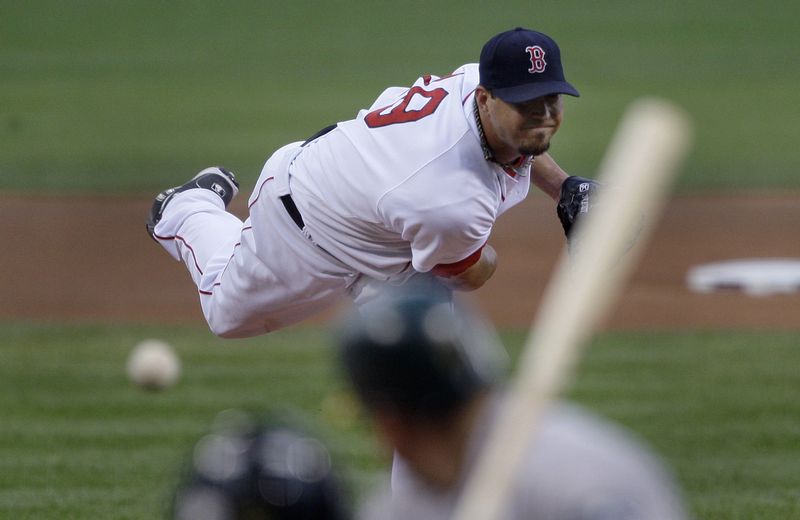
(321, 133)
(288, 203)
(292, 210)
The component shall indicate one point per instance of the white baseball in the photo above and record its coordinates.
(153, 365)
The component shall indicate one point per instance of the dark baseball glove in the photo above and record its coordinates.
(575, 201)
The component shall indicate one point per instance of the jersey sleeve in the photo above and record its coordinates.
(456, 268)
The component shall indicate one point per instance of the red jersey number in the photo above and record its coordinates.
(401, 113)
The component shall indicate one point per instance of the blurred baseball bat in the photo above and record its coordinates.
(650, 142)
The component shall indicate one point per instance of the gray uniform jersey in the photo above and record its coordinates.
(577, 467)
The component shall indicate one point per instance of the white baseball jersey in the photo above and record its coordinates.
(402, 188)
(578, 466)
(405, 184)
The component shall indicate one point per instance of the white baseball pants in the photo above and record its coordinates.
(255, 276)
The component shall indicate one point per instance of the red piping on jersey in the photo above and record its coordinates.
(259, 191)
(427, 79)
(521, 160)
(456, 268)
(517, 164)
(464, 101)
(176, 237)
(216, 284)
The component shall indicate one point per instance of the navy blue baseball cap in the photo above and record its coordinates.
(521, 64)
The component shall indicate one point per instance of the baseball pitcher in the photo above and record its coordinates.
(413, 184)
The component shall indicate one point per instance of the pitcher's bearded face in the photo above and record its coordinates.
(527, 127)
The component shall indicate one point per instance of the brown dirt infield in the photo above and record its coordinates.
(89, 259)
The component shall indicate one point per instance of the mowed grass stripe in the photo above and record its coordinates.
(116, 97)
(721, 407)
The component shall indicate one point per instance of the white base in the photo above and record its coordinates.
(754, 277)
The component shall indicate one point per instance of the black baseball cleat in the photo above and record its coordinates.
(216, 179)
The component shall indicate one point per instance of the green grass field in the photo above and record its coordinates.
(78, 441)
(122, 96)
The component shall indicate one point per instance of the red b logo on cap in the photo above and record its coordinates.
(537, 59)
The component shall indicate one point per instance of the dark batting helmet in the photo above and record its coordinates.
(414, 351)
(270, 470)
